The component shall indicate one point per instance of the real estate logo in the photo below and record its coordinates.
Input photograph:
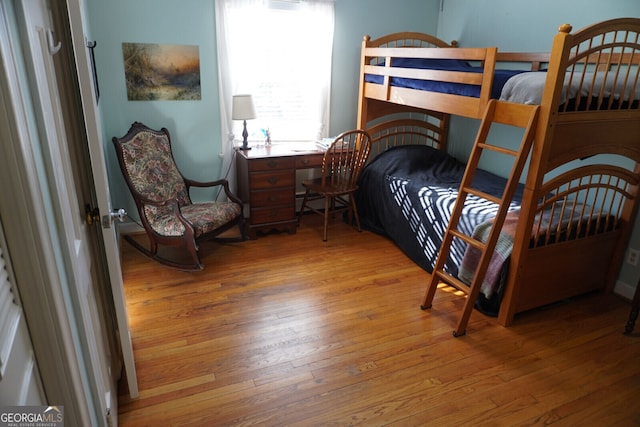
(31, 416)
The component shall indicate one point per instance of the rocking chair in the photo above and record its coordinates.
(161, 194)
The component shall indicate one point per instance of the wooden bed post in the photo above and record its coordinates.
(540, 149)
(362, 101)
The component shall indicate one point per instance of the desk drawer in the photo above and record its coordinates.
(275, 214)
(277, 197)
(308, 162)
(270, 164)
(267, 180)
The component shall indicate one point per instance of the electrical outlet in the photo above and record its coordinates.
(633, 256)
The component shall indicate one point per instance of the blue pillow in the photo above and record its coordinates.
(435, 64)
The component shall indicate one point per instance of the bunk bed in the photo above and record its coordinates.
(573, 214)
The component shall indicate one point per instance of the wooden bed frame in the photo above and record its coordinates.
(585, 261)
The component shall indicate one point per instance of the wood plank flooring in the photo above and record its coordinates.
(288, 330)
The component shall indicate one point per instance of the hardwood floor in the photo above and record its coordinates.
(288, 330)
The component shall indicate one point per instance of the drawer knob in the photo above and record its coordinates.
(274, 198)
(272, 164)
(273, 180)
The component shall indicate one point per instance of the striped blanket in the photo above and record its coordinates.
(491, 283)
(556, 224)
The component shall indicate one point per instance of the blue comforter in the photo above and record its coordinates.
(408, 193)
(499, 79)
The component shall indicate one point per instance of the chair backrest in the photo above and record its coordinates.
(344, 159)
(148, 165)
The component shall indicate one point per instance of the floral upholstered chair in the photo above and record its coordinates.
(161, 194)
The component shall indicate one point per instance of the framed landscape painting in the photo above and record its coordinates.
(161, 71)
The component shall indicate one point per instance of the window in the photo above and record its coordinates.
(279, 51)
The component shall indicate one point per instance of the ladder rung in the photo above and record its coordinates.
(498, 149)
(524, 117)
(470, 240)
(478, 193)
(453, 281)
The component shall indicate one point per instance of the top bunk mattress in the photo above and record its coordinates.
(583, 90)
(527, 88)
(501, 76)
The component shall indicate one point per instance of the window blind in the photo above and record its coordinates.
(9, 309)
(284, 62)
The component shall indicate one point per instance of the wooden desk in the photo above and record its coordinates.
(267, 183)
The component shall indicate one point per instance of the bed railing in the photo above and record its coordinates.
(603, 70)
(409, 39)
(408, 132)
(583, 202)
(397, 57)
(591, 99)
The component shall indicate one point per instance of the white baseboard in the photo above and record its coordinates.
(129, 228)
(624, 290)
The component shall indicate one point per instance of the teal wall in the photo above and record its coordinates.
(523, 25)
(193, 124)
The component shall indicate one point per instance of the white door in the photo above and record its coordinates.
(43, 46)
(101, 185)
(75, 239)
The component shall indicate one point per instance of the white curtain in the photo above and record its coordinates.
(280, 52)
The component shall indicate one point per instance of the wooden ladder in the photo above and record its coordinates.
(518, 115)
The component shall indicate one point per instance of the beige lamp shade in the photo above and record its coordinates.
(243, 108)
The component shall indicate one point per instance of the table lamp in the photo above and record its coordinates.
(244, 110)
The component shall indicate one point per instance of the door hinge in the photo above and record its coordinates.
(91, 215)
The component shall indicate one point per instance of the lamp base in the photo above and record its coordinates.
(245, 135)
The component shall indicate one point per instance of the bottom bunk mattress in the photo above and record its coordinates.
(407, 193)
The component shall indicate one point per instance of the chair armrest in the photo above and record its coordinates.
(220, 182)
(191, 183)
